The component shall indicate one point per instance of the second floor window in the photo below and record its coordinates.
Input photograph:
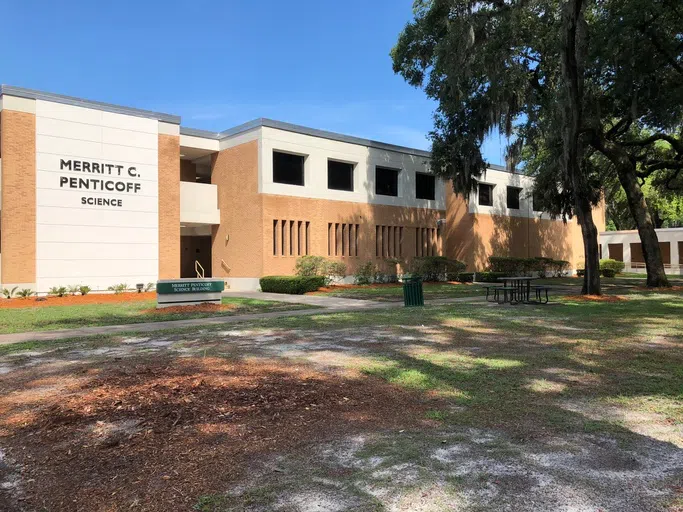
(386, 181)
(288, 168)
(513, 197)
(339, 175)
(425, 186)
(485, 194)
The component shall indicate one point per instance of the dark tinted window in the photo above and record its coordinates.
(513, 197)
(485, 194)
(339, 175)
(288, 168)
(537, 201)
(425, 186)
(386, 181)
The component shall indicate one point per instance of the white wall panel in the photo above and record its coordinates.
(91, 244)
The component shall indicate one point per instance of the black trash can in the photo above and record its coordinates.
(412, 291)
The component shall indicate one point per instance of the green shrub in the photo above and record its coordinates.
(8, 293)
(58, 291)
(311, 266)
(490, 277)
(559, 268)
(580, 272)
(386, 270)
(296, 285)
(510, 265)
(465, 277)
(436, 268)
(543, 266)
(84, 290)
(73, 289)
(25, 293)
(149, 287)
(609, 264)
(365, 273)
(608, 272)
(118, 288)
(335, 271)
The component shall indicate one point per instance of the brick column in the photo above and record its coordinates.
(169, 206)
(18, 229)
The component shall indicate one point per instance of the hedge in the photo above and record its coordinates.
(515, 266)
(436, 268)
(296, 285)
(490, 277)
(465, 277)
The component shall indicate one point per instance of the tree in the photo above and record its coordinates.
(666, 207)
(497, 64)
(599, 72)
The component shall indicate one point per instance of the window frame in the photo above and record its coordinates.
(353, 174)
(303, 167)
(519, 197)
(433, 189)
(492, 187)
(392, 169)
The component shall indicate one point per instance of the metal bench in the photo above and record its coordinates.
(495, 289)
(540, 289)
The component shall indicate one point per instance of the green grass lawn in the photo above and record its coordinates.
(91, 315)
(432, 291)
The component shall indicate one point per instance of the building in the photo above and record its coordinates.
(99, 194)
(625, 246)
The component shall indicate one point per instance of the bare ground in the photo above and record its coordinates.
(273, 419)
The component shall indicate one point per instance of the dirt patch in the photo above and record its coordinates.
(155, 435)
(195, 308)
(77, 300)
(595, 298)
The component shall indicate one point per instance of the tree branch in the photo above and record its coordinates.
(673, 141)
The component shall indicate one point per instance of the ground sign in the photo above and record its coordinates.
(184, 292)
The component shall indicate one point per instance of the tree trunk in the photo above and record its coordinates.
(589, 232)
(626, 171)
(572, 69)
(656, 276)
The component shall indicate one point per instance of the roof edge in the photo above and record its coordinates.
(33, 94)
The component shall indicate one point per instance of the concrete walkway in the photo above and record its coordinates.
(328, 305)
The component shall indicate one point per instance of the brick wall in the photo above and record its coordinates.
(169, 206)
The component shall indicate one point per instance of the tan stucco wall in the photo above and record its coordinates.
(169, 206)
(18, 230)
(237, 241)
(472, 238)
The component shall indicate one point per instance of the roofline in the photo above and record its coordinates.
(32, 94)
(635, 231)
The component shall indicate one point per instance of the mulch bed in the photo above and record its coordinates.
(156, 435)
(595, 298)
(195, 308)
(77, 300)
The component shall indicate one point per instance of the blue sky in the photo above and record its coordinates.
(217, 64)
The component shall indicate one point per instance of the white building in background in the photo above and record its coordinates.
(625, 246)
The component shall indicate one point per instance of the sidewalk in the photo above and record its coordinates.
(328, 305)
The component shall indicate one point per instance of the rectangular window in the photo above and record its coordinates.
(339, 175)
(485, 194)
(344, 239)
(291, 238)
(425, 186)
(308, 239)
(288, 168)
(513, 197)
(283, 238)
(537, 201)
(329, 239)
(386, 181)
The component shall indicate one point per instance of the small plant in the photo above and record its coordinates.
(335, 272)
(8, 293)
(612, 266)
(149, 287)
(25, 293)
(58, 291)
(118, 288)
(365, 273)
(84, 290)
(311, 266)
(73, 289)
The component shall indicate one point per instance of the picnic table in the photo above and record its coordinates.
(519, 289)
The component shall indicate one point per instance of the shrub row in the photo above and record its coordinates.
(310, 266)
(436, 268)
(544, 266)
(490, 277)
(297, 285)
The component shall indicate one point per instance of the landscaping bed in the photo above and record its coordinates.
(76, 300)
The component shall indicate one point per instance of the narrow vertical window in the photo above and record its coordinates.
(400, 242)
(299, 239)
(378, 241)
(308, 238)
(336, 239)
(283, 239)
(343, 244)
(329, 239)
(275, 238)
(291, 238)
(355, 233)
